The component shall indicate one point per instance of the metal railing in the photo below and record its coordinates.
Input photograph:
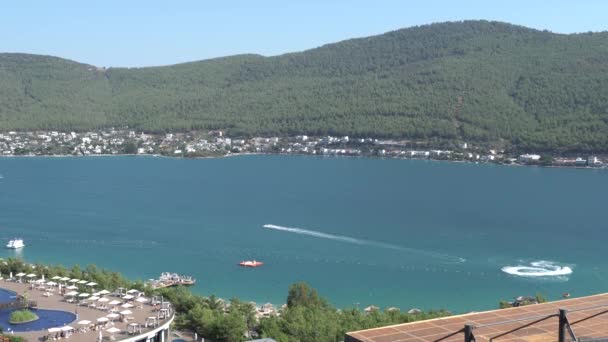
(564, 326)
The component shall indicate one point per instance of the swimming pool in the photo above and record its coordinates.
(46, 319)
(7, 296)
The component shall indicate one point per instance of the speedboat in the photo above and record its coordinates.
(15, 244)
(251, 263)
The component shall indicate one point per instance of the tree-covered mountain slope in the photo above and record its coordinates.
(474, 81)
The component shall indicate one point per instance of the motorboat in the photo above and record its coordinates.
(251, 263)
(15, 244)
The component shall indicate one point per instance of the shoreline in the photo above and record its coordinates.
(246, 154)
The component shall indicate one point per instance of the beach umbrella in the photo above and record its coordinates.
(104, 292)
(142, 300)
(52, 330)
(67, 328)
(93, 298)
(103, 300)
(51, 283)
(126, 312)
(113, 330)
(84, 294)
(91, 283)
(72, 287)
(20, 274)
(72, 293)
(127, 305)
(95, 294)
(113, 316)
(127, 297)
(82, 282)
(64, 279)
(84, 322)
(115, 302)
(31, 275)
(74, 280)
(56, 278)
(102, 319)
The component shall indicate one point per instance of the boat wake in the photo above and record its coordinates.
(356, 241)
(539, 268)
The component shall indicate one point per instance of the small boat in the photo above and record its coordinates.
(15, 244)
(251, 263)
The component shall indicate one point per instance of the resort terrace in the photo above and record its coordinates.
(121, 315)
(579, 319)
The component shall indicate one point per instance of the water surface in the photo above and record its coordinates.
(362, 231)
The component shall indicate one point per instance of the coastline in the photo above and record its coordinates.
(247, 154)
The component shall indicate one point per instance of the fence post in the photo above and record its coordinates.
(562, 326)
(468, 333)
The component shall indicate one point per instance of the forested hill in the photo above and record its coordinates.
(473, 81)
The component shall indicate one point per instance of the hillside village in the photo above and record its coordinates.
(216, 144)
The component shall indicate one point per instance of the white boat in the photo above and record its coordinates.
(15, 244)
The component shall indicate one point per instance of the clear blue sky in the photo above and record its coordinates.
(150, 32)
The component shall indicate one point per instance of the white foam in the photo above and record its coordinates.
(320, 235)
(539, 268)
(356, 241)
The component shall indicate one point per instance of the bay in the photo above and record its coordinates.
(406, 233)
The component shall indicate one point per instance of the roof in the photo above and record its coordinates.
(587, 316)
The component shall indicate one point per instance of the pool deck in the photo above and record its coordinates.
(58, 302)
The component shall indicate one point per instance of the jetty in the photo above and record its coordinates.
(168, 279)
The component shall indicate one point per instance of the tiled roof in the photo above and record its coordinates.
(588, 318)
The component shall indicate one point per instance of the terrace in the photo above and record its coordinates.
(580, 319)
(91, 315)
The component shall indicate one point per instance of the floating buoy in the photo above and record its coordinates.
(566, 295)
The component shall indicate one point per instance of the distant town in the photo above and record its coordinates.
(216, 144)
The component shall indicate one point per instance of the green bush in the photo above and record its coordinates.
(22, 316)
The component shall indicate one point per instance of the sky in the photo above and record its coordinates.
(136, 33)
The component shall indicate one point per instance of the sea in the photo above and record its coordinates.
(384, 232)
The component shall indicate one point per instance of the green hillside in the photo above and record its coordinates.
(472, 81)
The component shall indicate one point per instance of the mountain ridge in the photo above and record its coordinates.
(479, 81)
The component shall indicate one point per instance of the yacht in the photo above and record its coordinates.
(15, 244)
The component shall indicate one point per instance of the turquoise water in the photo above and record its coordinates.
(384, 232)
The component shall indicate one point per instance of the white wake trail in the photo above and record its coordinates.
(356, 241)
(538, 269)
